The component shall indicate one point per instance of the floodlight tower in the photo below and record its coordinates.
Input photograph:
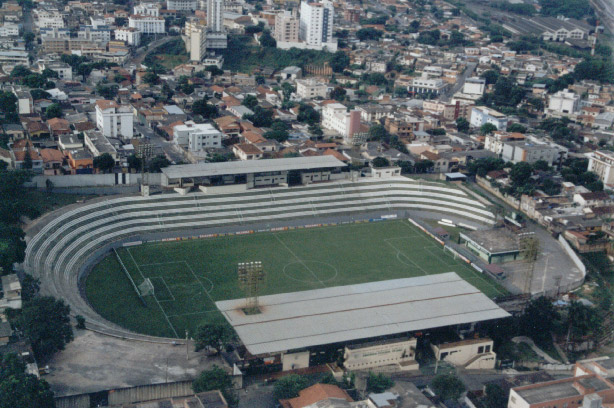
(251, 279)
(143, 152)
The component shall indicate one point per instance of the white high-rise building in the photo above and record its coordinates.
(197, 137)
(216, 37)
(316, 24)
(195, 39)
(114, 120)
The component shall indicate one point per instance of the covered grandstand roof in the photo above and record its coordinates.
(250, 166)
(303, 319)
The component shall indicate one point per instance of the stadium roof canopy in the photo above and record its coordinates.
(250, 166)
(344, 313)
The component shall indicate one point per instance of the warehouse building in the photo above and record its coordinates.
(303, 329)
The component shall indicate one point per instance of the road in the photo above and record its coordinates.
(605, 12)
(141, 53)
(461, 81)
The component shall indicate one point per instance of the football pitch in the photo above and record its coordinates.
(189, 276)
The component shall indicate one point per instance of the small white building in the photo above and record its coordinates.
(564, 102)
(472, 354)
(602, 163)
(530, 152)
(63, 70)
(130, 36)
(147, 24)
(310, 88)
(481, 115)
(197, 137)
(424, 85)
(114, 120)
(9, 30)
(474, 86)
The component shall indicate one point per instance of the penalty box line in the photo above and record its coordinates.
(154, 296)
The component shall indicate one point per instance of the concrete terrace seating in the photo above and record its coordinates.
(58, 251)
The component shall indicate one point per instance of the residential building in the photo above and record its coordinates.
(147, 9)
(601, 162)
(131, 36)
(114, 120)
(494, 141)
(247, 151)
(25, 104)
(102, 34)
(286, 27)
(197, 137)
(147, 24)
(587, 391)
(336, 117)
(319, 395)
(182, 5)
(9, 30)
(11, 293)
(310, 88)
(14, 58)
(474, 86)
(98, 144)
(424, 84)
(470, 354)
(216, 33)
(316, 25)
(530, 152)
(63, 70)
(195, 38)
(564, 102)
(481, 115)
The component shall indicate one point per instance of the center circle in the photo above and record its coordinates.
(310, 271)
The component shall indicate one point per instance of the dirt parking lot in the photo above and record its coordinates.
(95, 362)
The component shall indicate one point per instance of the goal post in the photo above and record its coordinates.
(146, 288)
(134, 286)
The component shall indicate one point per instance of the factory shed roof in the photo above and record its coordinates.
(344, 313)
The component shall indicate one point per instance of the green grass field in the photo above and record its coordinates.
(190, 275)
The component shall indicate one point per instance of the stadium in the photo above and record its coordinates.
(153, 267)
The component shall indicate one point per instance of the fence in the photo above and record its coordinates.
(94, 180)
(572, 254)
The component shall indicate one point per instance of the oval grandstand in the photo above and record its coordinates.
(62, 250)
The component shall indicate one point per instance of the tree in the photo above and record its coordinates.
(216, 379)
(27, 160)
(369, 34)
(213, 335)
(204, 109)
(516, 127)
(46, 322)
(107, 91)
(448, 387)
(495, 397)
(520, 173)
(541, 165)
(487, 128)
(338, 93)
(134, 162)
(151, 78)
(250, 101)
(491, 76)
(377, 132)
(307, 114)
(39, 94)
(582, 320)
(19, 389)
(462, 125)
(378, 383)
(104, 163)
(30, 287)
(8, 107)
(53, 111)
(539, 320)
(339, 61)
(380, 162)
(29, 38)
(12, 245)
(267, 41)
(289, 386)
(156, 164)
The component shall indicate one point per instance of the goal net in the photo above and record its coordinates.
(146, 288)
